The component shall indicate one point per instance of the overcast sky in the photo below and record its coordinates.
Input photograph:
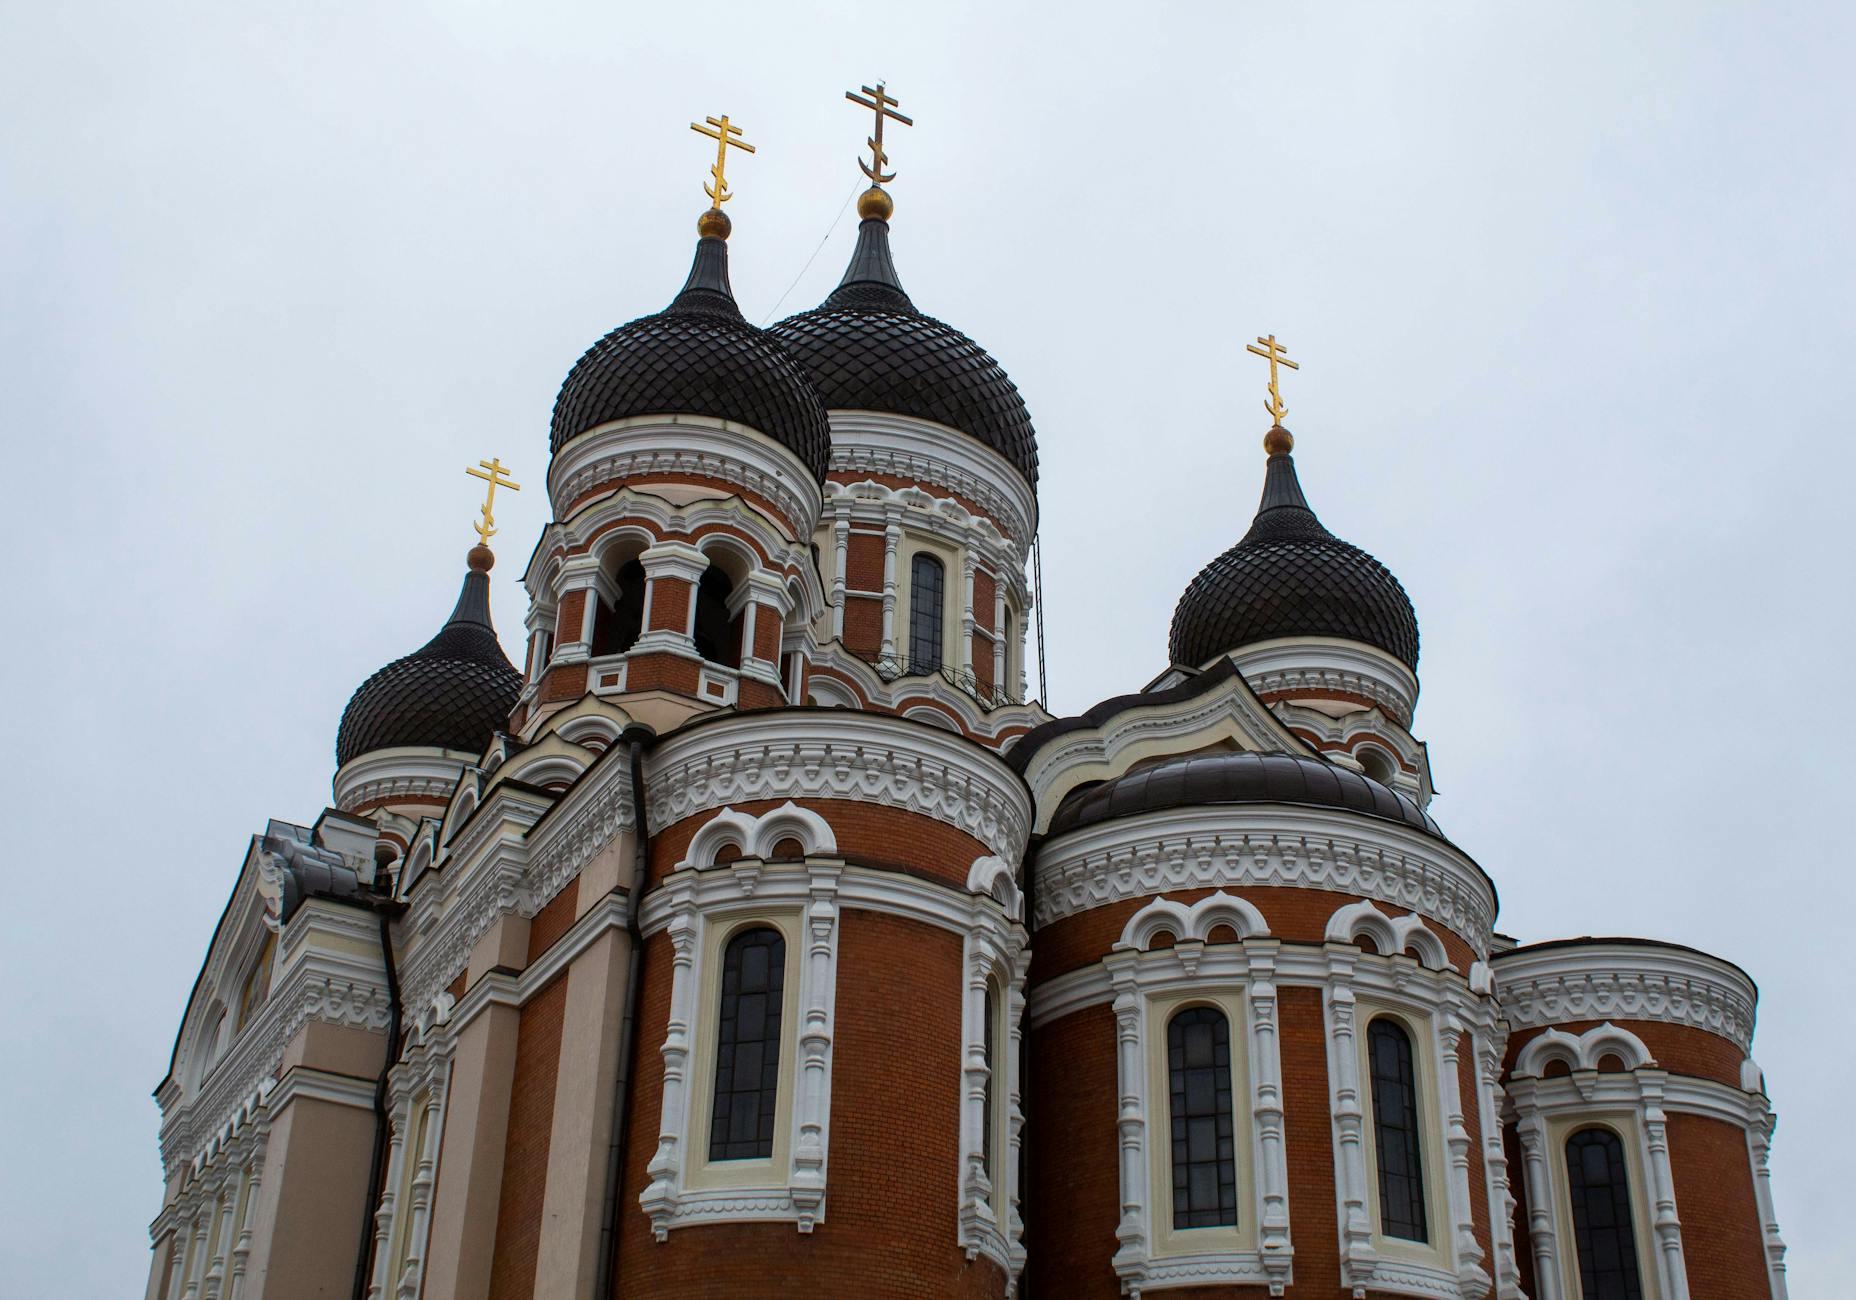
(1570, 285)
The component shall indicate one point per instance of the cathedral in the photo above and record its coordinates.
(755, 935)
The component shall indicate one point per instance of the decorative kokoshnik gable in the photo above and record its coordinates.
(756, 936)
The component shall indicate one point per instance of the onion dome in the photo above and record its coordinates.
(454, 692)
(1289, 576)
(1193, 780)
(699, 356)
(867, 348)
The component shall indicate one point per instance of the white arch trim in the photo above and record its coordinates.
(1391, 935)
(1583, 1051)
(756, 836)
(992, 876)
(1186, 924)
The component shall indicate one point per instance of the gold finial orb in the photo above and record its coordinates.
(874, 204)
(1278, 441)
(481, 559)
(714, 224)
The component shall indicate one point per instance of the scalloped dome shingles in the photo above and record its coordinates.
(698, 356)
(1192, 780)
(454, 692)
(1290, 576)
(867, 348)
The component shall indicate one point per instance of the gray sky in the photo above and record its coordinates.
(1570, 285)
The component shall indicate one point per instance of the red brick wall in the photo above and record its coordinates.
(568, 620)
(1073, 1203)
(661, 672)
(767, 633)
(1294, 915)
(982, 659)
(867, 833)
(1308, 1135)
(863, 561)
(564, 682)
(1679, 1049)
(863, 624)
(1721, 1238)
(670, 604)
(552, 921)
(525, 1153)
(893, 1175)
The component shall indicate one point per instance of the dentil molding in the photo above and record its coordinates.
(1549, 984)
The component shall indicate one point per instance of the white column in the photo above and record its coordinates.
(1131, 1112)
(841, 539)
(967, 566)
(419, 1204)
(975, 1186)
(998, 635)
(1015, 1114)
(1451, 1035)
(818, 989)
(1357, 1254)
(1489, 1047)
(1266, 1113)
(1664, 1224)
(892, 537)
(1760, 1124)
(389, 1198)
(218, 1242)
(247, 1222)
(666, 1167)
(1534, 1156)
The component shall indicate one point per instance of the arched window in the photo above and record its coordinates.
(1395, 1131)
(257, 982)
(747, 1046)
(617, 627)
(1198, 1058)
(1601, 1218)
(927, 584)
(716, 634)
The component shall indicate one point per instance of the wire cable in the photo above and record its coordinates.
(829, 230)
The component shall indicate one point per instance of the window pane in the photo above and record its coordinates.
(1395, 1132)
(1601, 1220)
(747, 1046)
(926, 590)
(1198, 1051)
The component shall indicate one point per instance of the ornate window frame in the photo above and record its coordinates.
(995, 952)
(1149, 984)
(699, 906)
(1547, 1111)
(417, 1088)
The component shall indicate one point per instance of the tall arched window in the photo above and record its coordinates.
(1601, 1218)
(617, 627)
(927, 585)
(716, 634)
(747, 1046)
(1198, 1059)
(1395, 1131)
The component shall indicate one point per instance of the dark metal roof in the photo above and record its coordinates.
(867, 348)
(1290, 576)
(451, 693)
(1019, 754)
(698, 356)
(1192, 780)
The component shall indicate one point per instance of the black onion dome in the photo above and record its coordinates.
(1192, 780)
(699, 356)
(1289, 576)
(867, 348)
(454, 692)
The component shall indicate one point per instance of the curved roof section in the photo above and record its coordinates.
(867, 348)
(699, 356)
(454, 692)
(1289, 576)
(1194, 780)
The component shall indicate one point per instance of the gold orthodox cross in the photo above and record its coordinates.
(496, 474)
(724, 133)
(1275, 353)
(882, 105)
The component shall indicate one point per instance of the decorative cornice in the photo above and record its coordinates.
(862, 757)
(638, 448)
(1552, 984)
(391, 775)
(982, 723)
(1316, 665)
(870, 502)
(872, 442)
(1229, 846)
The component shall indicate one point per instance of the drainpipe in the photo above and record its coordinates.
(377, 1170)
(606, 1285)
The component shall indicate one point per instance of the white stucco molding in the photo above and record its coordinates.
(931, 687)
(1582, 1051)
(876, 504)
(829, 754)
(1191, 923)
(1391, 935)
(877, 442)
(1625, 979)
(1317, 665)
(403, 773)
(639, 448)
(757, 836)
(1241, 845)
